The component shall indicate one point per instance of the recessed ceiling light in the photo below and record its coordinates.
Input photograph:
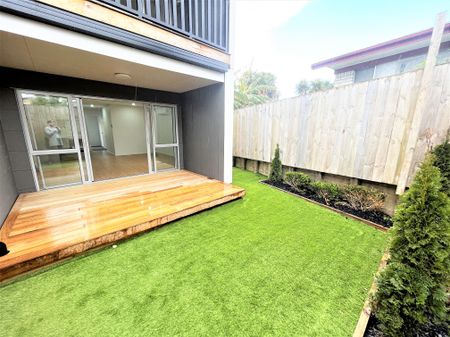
(133, 104)
(122, 76)
(92, 105)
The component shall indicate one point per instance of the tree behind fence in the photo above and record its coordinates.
(358, 130)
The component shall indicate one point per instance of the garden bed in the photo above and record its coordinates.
(430, 330)
(379, 219)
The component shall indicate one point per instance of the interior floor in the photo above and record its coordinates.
(105, 166)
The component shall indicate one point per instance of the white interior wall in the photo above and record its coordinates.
(128, 129)
(93, 119)
(107, 130)
(121, 128)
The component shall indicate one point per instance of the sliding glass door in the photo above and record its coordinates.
(51, 136)
(75, 140)
(117, 138)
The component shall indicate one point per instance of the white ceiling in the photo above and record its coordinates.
(20, 52)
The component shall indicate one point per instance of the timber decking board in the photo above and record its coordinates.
(47, 226)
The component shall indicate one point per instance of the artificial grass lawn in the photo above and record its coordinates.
(270, 264)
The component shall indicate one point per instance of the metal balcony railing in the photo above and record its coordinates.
(203, 20)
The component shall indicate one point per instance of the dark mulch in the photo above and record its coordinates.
(429, 330)
(379, 218)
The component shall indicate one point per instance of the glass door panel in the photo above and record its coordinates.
(76, 140)
(117, 139)
(50, 132)
(165, 137)
(165, 158)
(165, 132)
(48, 120)
(57, 170)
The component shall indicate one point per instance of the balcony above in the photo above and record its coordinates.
(202, 20)
(191, 31)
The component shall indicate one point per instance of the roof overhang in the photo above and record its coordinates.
(36, 46)
(393, 47)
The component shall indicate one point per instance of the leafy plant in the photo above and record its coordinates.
(442, 162)
(330, 193)
(276, 169)
(306, 87)
(412, 287)
(253, 88)
(362, 198)
(299, 181)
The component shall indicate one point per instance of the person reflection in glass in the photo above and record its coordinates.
(53, 134)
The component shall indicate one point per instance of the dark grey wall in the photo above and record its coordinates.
(15, 141)
(203, 130)
(10, 116)
(8, 192)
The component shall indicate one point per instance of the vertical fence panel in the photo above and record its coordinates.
(357, 130)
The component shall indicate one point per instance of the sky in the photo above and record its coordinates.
(285, 37)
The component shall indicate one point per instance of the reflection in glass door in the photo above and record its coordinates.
(51, 135)
(165, 151)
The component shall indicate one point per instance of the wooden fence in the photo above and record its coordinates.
(359, 130)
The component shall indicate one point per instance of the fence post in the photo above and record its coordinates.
(422, 100)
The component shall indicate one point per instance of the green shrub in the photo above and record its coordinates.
(412, 287)
(298, 181)
(276, 170)
(330, 193)
(362, 198)
(442, 162)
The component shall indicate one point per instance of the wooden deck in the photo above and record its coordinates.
(44, 227)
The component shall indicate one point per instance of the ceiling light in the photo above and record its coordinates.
(133, 104)
(92, 105)
(122, 76)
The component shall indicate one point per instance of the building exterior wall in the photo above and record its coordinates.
(203, 130)
(343, 78)
(390, 65)
(10, 116)
(15, 141)
(8, 191)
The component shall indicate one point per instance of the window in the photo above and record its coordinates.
(364, 74)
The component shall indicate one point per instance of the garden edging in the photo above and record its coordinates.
(367, 310)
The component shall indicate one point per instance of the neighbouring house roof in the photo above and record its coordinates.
(392, 47)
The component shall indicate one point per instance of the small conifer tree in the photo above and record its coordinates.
(442, 162)
(276, 170)
(412, 287)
